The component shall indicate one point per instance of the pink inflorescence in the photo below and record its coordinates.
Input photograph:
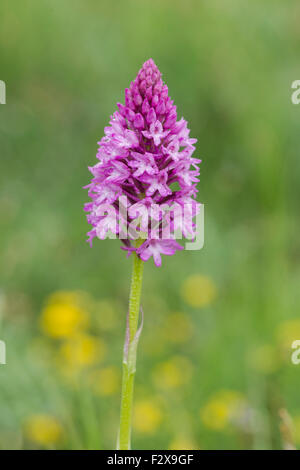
(144, 151)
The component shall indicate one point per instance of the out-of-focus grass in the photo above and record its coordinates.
(229, 67)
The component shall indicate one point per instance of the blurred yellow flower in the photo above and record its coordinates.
(296, 429)
(178, 327)
(106, 315)
(172, 373)
(76, 297)
(159, 346)
(287, 332)
(43, 429)
(105, 381)
(147, 416)
(221, 409)
(181, 443)
(63, 315)
(82, 350)
(198, 290)
(264, 359)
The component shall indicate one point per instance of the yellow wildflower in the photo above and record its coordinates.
(198, 290)
(82, 350)
(43, 429)
(147, 416)
(264, 359)
(159, 346)
(182, 443)
(172, 373)
(63, 315)
(105, 381)
(221, 409)
(77, 297)
(296, 429)
(178, 327)
(287, 332)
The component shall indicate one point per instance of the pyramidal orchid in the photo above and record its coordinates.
(145, 165)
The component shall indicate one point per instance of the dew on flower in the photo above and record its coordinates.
(147, 416)
(43, 429)
(198, 290)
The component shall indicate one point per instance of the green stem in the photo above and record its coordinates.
(129, 359)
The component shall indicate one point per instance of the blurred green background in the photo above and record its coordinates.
(214, 368)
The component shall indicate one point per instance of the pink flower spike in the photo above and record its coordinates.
(156, 248)
(139, 121)
(144, 163)
(143, 151)
(172, 150)
(156, 132)
(158, 183)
